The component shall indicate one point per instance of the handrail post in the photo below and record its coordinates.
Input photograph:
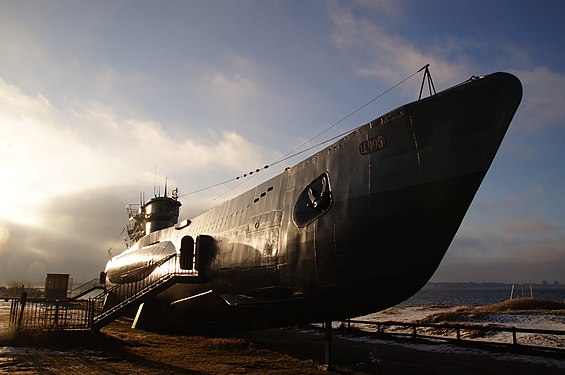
(514, 340)
(13, 308)
(91, 312)
(23, 300)
(56, 321)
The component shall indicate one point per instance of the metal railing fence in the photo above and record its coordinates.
(51, 314)
(42, 314)
(459, 332)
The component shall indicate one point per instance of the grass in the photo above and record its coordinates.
(128, 350)
(514, 306)
(522, 304)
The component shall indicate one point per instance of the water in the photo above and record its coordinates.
(457, 301)
(442, 297)
(472, 294)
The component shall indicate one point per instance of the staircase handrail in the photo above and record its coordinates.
(104, 317)
(159, 263)
(79, 289)
(140, 290)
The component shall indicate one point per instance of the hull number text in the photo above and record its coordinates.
(372, 145)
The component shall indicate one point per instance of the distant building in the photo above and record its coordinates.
(544, 282)
(56, 285)
(556, 283)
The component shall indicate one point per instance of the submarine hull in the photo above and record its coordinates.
(358, 227)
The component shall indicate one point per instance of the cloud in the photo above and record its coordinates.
(527, 198)
(232, 85)
(381, 54)
(514, 250)
(17, 43)
(526, 226)
(82, 226)
(530, 264)
(230, 90)
(47, 151)
(376, 51)
(68, 173)
(544, 95)
(389, 9)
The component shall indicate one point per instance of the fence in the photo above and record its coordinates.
(460, 332)
(69, 314)
(51, 314)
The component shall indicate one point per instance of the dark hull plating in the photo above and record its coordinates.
(356, 228)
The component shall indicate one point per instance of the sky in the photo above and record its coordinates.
(100, 101)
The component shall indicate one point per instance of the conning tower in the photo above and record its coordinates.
(155, 214)
(161, 213)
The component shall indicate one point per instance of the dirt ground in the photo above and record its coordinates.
(119, 350)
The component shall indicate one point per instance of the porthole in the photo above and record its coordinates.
(314, 201)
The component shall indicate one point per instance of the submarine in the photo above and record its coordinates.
(357, 227)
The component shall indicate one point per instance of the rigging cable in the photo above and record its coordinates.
(351, 114)
(117, 238)
(293, 152)
(277, 162)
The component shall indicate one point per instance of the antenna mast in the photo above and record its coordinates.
(428, 77)
(155, 181)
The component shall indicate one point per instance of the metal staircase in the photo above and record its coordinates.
(84, 289)
(94, 313)
(115, 301)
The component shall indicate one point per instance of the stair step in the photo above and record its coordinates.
(107, 316)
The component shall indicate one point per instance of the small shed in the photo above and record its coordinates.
(56, 285)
